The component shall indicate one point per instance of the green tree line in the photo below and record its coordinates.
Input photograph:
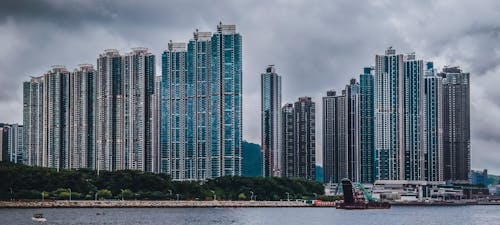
(18, 182)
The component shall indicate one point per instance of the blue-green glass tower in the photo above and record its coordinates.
(366, 126)
(201, 106)
(225, 102)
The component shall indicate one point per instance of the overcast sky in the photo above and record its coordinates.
(315, 45)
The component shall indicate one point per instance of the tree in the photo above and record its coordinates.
(242, 196)
(128, 194)
(104, 194)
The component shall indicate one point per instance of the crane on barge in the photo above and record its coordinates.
(361, 199)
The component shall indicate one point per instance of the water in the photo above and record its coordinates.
(401, 215)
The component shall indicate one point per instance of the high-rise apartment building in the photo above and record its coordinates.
(288, 153)
(56, 118)
(271, 122)
(109, 112)
(411, 93)
(432, 122)
(334, 137)
(388, 110)
(201, 106)
(352, 130)
(226, 101)
(398, 110)
(456, 124)
(11, 143)
(366, 126)
(124, 110)
(81, 117)
(33, 107)
(138, 91)
(174, 159)
(156, 125)
(341, 134)
(299, 139)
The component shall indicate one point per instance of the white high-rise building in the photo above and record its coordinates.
(81, 117)
(33, 106)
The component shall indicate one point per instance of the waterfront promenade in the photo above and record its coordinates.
(147, 204)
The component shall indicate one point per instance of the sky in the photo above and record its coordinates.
(315, 46)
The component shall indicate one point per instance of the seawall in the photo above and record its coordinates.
(147, 204)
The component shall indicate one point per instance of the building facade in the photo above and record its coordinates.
(412, 93)
(172, 143)
(271, 122)
(388, 108)
(138, 91)
(201, 106)
(366, 126)
(33, 107)
(456, 124)
(56, 121)
(432, 122)
(334, 137)
(11, 143)
(299, 139)
(288, 153)
(81, 117)
(109, 112)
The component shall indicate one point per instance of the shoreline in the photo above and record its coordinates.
(198, 204)
(151, 204)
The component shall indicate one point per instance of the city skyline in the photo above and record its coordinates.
(332, 72)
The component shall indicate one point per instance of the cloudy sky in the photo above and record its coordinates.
(315, 45)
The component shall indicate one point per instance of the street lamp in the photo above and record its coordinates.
(251, 196)
(11, 194)
(43, 196)
(69, 194)
(170, 191)
(287, 196)
(215, 196)
(96, 195)
(122, 193)
(177, 197)
(315, 195)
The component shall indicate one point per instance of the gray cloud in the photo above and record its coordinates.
(315, 45)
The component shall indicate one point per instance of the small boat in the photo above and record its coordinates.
(38, 217)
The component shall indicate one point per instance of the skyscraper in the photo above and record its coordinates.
(81, 117)
(299, 139)
(33, 107)
(288, 153)
(432, 122)
(226, 101)
(173, 157)
(352, 130)
(156, 109)
(398, 110)
(108, 112)
(366, 126)
(411, 92)
(305, 137)
(56, 118)
(341, 134)
(138, 91)
(11, 143)
(456, 124)
(201, 106)
(271, 122)
(388, 121)
(334, 137)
